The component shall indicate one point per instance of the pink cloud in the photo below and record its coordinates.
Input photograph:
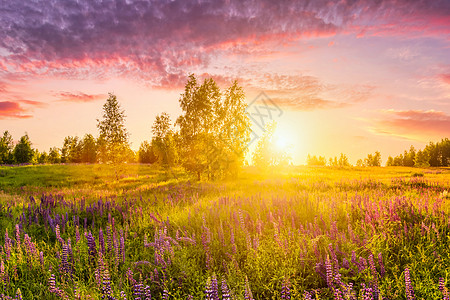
(80, 97)
(9, 109)
(415, 124)
(445, 78)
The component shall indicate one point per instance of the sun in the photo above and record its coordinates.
(282, 140)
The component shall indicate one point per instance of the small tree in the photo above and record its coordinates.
(146, 154)
(373, 160)
(6, 149)
(360, 163)
(71, 150)
(113, 139)
(88, 149)
(422, 159)
(163, 142)
(54, 156)
(23, 153)
(343, 161)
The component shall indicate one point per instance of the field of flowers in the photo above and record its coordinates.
(89, 232)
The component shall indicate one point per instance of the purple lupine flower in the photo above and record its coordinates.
(53, 288)
(92, 247)
(8, 244)
(41, 258)
(373, 270)
(101, 242)
(77, 234)
(129, 274)
(208, 289)
(362, 265)
(380, 262)
(138, 291)
(408, 286)
(17, 236)
(147, 293)
(225, 290)
(190, 297)
(214, 288)
(247, 292)
(109, 241)
(443, 289)
(307, 295)
(58, 234)
(123, 296)
(366, 292)
(18, 295)
(285, 289)
(165, 295)
(64, 259)
(329, 270)
(122, 246)
(106, 284)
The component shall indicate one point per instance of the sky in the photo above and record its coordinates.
(348, 76)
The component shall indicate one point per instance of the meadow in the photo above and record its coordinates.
(84, 231)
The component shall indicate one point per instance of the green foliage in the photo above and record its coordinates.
(6, 148)
(71, 150)
(214, 128)
(88, 149)
(316, 161)
(54, 156)
(23, 153)
(373, 160)
(113, 140)
(146, 154)
(163, 141)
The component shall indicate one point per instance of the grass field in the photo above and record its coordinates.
(128, 232)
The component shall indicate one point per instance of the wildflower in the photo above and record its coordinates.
(101, 242)
(247, 293)
(380, 262)
(285, 289)
(409, 289)
(307, 295)
(443, 289)
(329, 272)
(374, 275)
(92, 246)
(225, 290)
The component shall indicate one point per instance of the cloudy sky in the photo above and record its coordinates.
(351, 76)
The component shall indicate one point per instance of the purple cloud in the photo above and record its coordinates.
(160, 41)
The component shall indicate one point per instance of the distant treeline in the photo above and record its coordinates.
(372, 160)
(433, 155)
